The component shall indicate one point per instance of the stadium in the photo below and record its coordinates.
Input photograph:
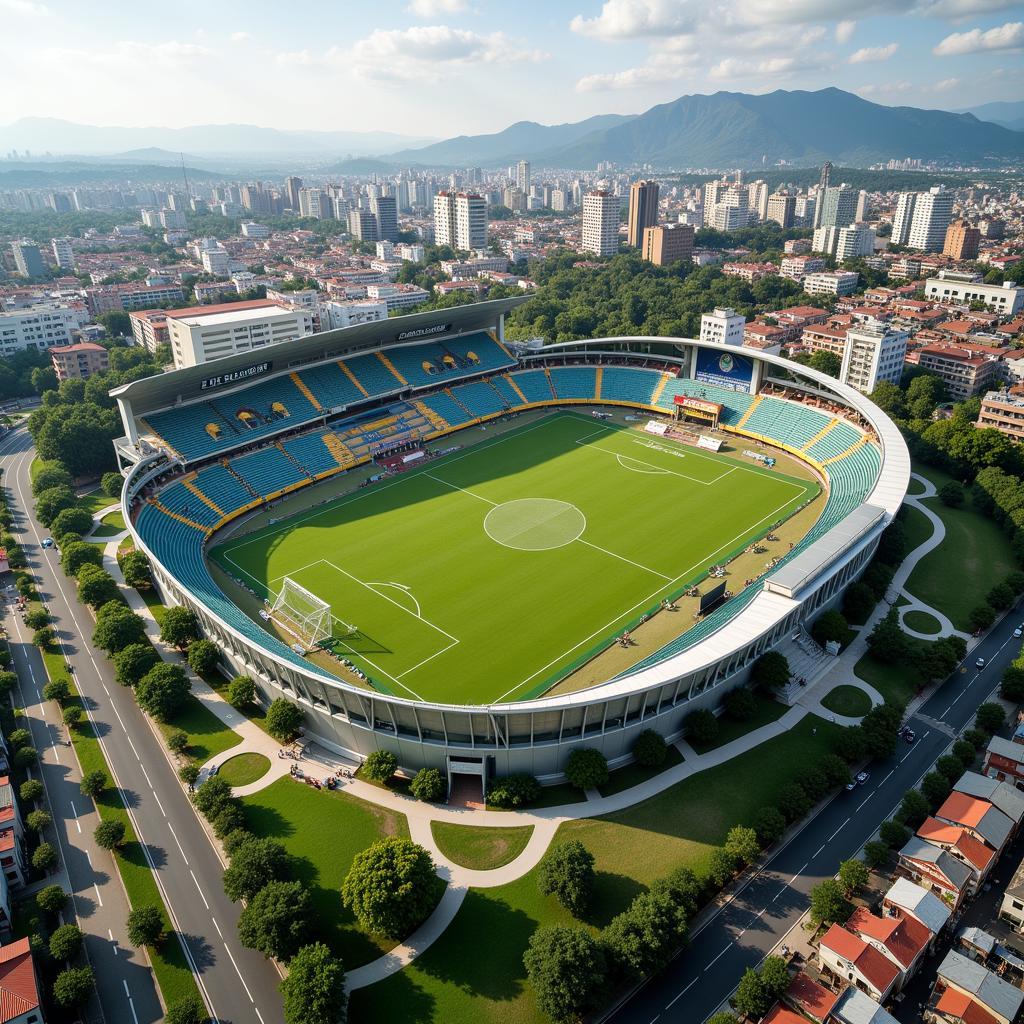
(480, 555)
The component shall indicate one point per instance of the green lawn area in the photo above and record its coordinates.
(895, 683)
(526, 518)
(917, 527)
(323, 831)
(633, 774)
(455, 982)
(110, 525)
(242, 769)
(207, 734)
(554, 796)
(923, 622)
(848, 700)
(768, 711)
(914, 488)
(153, 603)
(956, 576)
(480, 848)
(96, 500)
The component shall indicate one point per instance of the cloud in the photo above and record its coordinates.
(872, 53)
(771, 67)
(24, 8)
(240, 37)
(639, 19)
(659, 69)
(884, 88)
(435, 8)
(1006, 37)
(798, 11)
(844, 31)
(945, 85)
(963, 8)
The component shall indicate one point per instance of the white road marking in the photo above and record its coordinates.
(200, 888)
(719, 957)
(838, 830)
(99, 898)
(113, 941)
(681, 994)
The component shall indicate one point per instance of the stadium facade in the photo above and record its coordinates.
(284, 401)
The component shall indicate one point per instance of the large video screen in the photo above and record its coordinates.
(725, 368)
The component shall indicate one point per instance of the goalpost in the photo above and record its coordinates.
(306, 615)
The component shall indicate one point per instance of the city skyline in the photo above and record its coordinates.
(398, 66)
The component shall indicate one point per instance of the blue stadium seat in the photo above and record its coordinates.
(480, 398)
(534, 384)
(574, 381)
(628, 384)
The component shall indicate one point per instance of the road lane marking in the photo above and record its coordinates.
(838, 830)
(864, 801)
(131, 1005)
(200, 888)
(113, 941)
(719, 957)
(819, 849)
(99, 898)
(681, 994)
(779, 893)
(883, 782)
(797, 875)
(160, 805)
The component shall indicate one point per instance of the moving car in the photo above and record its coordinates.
(48, 542)
(1017, 633)
(980, 663)
(858, 780)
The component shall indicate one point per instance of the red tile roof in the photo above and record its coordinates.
(18, 992)
(961, 1006)
(903, 937)
(974, 851)
(874, 966)
(812, 998)
(780, 1015)
(963, 809)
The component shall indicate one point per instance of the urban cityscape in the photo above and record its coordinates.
(542, 542)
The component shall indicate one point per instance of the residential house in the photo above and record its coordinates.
(936, 869)
(979, 817)
(19, 987)
(967, 849)
(849, 959)
(908, 899)
(1002, 795)
(904, 941)
(1004, 760)
(967, 992)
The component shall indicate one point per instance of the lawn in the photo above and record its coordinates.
(242, 769)
(110, 526)
(534, 536)
(848, 700)
(95, 501)
(480, 848)
(457, 982)
(956, 576)
(922, 622)
(633, 774)
(917, 526)
(207, 734)
(895, 683)
(729, 729)
(323, 831)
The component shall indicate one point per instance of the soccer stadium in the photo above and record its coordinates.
(479, 554)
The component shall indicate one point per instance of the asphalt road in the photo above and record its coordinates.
(695, 984)
(239, 986)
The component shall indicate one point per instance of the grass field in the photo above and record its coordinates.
(851, 701)
(480, 848)
(553, 538)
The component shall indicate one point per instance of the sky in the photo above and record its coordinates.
(443, 67)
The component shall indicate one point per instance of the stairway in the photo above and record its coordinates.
(341, 453)
(448, 392)
(849, 451)
(310, 397)
(202, 497)
(660, 386)
(597, 383)
(515, 387)
(181, 519)
(241, 479)
(435, 419)
(750, 412)
(819, 435)
(352, 377)
(551, 383)
(294, 461)
(394, 369)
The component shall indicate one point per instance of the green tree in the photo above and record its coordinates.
(935, 787)
(701, 726)
(51, 899)
(391, 887)
(830, 626)
(314, 990)
(47, 474)
(380, 765)
(178, 741)
(769, 826)
(567, 971)
(93, 783)
(179, 627)
(112, 484)
(30, 791)
(211, 797)
(640, 940)
(131, 663)
(57, 689)
(586, 768)
(770, 671)
(752, 999)
(109, 834)
(65, 942)
(73, 986)
(96, 586)
(163, 690)
(914, 808)
(828, 904)
(203, 656)
(428, 784)
(276, 921)
(38, 618)
(893, 834)
(740, 704)
(853, 875)
(567, 873)
(241, 692)
(722, 865)
(283, 720)
(145, 926)
(38, 820)
(743, 844)
(44, 857)
(53, 501)
(775, 976)
(990, 718)
(650, 749)
(135, 569)
(876, 854)
(252, 866)
(117, 626)
(186, 1010)
(952, 494)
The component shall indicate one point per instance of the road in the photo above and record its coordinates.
(239, 986)
(695, 984)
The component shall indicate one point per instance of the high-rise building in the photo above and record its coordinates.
(600, 230)
(668, 244)
(902, 218)
(385, 210)
(874, 353)
(28, 259)
(855, 241)
(362, 224)
(460, 220)
(757, 199)
(65, 255)
(444, 219)
(835, 207)
(292, 186)
(826, 175)
(781, 209)
(523, 177)
(723, 327)
(962, 240)
(932, 212)
(643, 211)
(314, 203)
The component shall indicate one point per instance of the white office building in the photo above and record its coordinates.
(874, 353)
(854, 241)
(831, 282)
(903, 218)
(600, 229)
(39, 327)
(250, 229)
(933, 211)
(460, 220)
(954, 288)
(334, 315)
(723, 327)
(63, 253)
(523, 177)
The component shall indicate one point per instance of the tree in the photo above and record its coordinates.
(112, 483)
(893, 834)
(38, 820)
(252, 866)
(722, 865)
(951, 494)
(71, 520)
(44, 637)
(516, 790)
(914, 808)
(133, 662)
(950, 766)
(858, 602)
(880, 727)
(162, 691)
(981, 617)
(189, 774)
(990, 718)
(641, 939)
(187, 1010)
(976, 737)
(93, 783)
(567, 970)
(743, 844)
(96, 586)
(283, 720)
(145, 926)
(25, 757)
(50, 502)
(752, 999)
(650, 749)
(391, 887)
(135, 569)
(1012, 686)
(117, 626)
(723, 1018)
(51, 899)
(769, 826)
(38, 618)
(380, 765)
(178, 741)
(830, 626)
(567, 873)
(109, 834)
(77, 553)
(228, 819)
(72, 716)
(44, 857)
(57, 689)
(65, 942)
(834, 771)
(8, 680)
(793, 801)
(887, 641)
(212, 796)
(17, 738)
(853, 875)
(428, 784)
(179, 627)
(314, 990)
(586, 768)
(701, 726)
(48, 474)
(740, 704)
(1001, 596)
(203, 656)
(30, 791)
(73, 986)
(770, 672)
(241, 692)
(276, 920)
(775, 976)
(935, 787)
(828, 903)
(876, 854)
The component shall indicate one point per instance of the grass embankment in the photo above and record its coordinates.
(633, 774)
(453, 982)
(896, 683)
(922, 622)
(729, 729)
(848, 700)
(323, 830)
(243, 769)
(480, 848)
(110, 526)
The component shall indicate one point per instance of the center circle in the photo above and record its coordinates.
(534, 524)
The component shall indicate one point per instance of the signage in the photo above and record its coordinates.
(724, 369)
(699, 405)
(234, 376)
(423, 332)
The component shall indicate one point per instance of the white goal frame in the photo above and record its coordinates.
(305, 614)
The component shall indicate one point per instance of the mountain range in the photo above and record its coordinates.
(1008, 114)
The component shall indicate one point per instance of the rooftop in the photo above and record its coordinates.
(998, 995)
(18, 992)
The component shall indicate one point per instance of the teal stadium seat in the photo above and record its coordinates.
(447, 408)
(574, 381)
(534, 384)
(268, 470)
(480, 398)
(629, 384)
(409, 360)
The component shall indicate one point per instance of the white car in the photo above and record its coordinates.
(980, 663)
(1018, 633)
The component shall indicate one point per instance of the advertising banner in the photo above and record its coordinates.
(724, 368)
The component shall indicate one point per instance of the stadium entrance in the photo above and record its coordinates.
(467, 779)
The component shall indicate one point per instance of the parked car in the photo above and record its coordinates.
(1018, 633)
(858, 780)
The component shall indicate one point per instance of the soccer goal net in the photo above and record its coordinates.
(305, 614)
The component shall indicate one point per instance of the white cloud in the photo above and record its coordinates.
(24, 8)
(945, 85)
(435, 8)
(659, 69)
(638, 19)
(872, 53)
(884, 88)
(797, 11)
(240, 37)
(771, 67)
(844, 31)
(1005, 37)
(963, 8)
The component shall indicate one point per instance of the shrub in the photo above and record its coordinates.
(65, 942)
(513, 791)
(73, 986)
(178, 741)
(830, 626)
(241, 692)
(44, 857)
(650, 749)
(567, 873)
(893, 834)
(740, 704)
(189, 774)
(428, 784)
(586, 768)
(93, 783)
(57, 689)
(380, 765)
(51, 899)
(283, 720)
(770, 672)
(203, 656)
(109, 834)
(701, 726)
(187, 1010)
(31, 790)
(770, 826)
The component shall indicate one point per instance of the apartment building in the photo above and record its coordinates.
(781, 209)
(831, 282)
(128, 297)
(643, 211)
(63, 253)
(460, 220)
(149, 328)
(723, 327)
(796, 268)
(962, 240)
(397, 296)
(668, 243)
(600, 231)
(964, 371)
(874, 353)
(953, 288)
(1003, 411)
(39, 327)
(334, 315)
(749, 272)
(79, 361)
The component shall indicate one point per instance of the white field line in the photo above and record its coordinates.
(456, 487)
(650, 471)
(622, 558)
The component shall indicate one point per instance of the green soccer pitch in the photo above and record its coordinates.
(483, 576)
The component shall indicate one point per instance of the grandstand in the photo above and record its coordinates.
(338, 401)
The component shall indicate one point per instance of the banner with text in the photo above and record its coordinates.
(725, 369)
